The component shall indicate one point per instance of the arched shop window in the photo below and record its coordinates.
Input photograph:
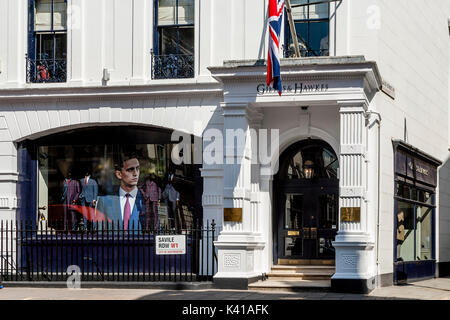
(47, 41)
(312, 26)
(68, 162)
(173, 53)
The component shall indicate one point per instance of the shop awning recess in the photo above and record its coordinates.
(291, 20)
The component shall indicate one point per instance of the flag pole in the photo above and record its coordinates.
(292, 27)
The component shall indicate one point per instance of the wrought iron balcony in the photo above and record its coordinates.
(289, 52)
(46, 70)
(172, 66)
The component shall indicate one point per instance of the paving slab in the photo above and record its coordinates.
(434, 289)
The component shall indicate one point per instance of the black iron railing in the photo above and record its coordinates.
(46, 70)
(172, 66)
(36, 252)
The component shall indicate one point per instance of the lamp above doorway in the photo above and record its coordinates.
(308, 169)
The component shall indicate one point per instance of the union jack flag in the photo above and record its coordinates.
(276, 9)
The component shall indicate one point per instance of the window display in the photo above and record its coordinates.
(414, 224)
(81, 187)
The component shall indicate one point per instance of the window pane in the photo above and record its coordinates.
(169, 40)
(295, 168)
(45, 44)
(174, 40)
(318, 38)
(186, 40)
(43, 17)
(43, 20)
(185, 11)
(331, 164)
(60, 15)
(423, 233)
(302, 36)
(61, 46)
(300, 13)
(166, 12)
(293, 246)
(294, 211)
(70, 206)
(328, 208)
(318, 11)
(405, 232)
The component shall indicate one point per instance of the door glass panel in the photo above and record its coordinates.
(294, 211)
(328, 207)
(405, 232)
(293, 246)
(423, 233)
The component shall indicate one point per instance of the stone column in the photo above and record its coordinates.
(353, 243)
(238, 240)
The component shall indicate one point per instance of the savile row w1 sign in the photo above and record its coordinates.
(170, 244)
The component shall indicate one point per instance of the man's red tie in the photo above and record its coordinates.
(85, 181)
(126, 213)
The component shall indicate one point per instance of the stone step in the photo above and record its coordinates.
(272, 276)
(291, 285)
(283, 268)
(289, 272)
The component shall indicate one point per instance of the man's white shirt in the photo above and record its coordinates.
(131, 200)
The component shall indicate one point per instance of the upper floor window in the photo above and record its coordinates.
(47, 41)
(312, 26)
(173, 55)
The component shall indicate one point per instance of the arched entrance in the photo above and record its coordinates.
(306, 202)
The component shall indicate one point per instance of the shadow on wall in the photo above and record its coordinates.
(443, 225)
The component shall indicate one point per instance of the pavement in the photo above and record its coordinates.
(433, 289)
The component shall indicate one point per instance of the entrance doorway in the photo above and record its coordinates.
(306, 202)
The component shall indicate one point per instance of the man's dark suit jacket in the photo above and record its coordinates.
(109, 206)
(90, 192)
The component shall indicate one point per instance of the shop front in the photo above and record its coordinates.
(414, 214)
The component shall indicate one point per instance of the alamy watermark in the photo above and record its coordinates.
(231, 146)
(74, 279)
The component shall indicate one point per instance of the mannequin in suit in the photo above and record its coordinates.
(171, 199)
(125, 206)
(152, 196)
(70, 196)
(88, 197)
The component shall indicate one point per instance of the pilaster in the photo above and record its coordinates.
(353, 243)
(239, 244)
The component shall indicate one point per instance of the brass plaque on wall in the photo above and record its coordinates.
(232, 214)
(293, 233)
(350, 214)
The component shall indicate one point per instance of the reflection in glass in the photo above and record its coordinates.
(328, 208)
(312, 28)
(43, 15)
(169, 15)
(293, 246)
(294, 211)
(405, 231)
(423, 233)
(312, 162)
(62, 177)
(171, 44)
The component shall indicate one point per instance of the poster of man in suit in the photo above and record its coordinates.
(124, 207)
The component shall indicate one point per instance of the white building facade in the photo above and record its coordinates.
(356, 173)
